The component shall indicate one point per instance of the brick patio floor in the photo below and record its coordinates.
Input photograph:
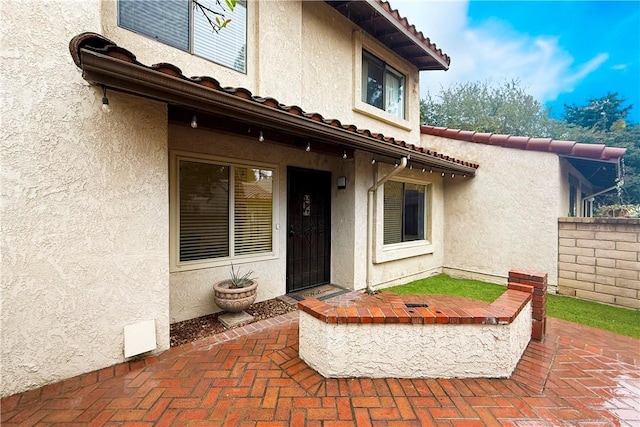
(252, 376)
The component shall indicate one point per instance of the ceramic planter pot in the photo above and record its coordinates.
(234, 300)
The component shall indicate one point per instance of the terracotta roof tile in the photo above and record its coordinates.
(170, 69)
(97, 43)
(568, 148)
(538, 144)
(481, 137)
(588, 150)
(561, 147)
(517, 142)
(498, 139)
(613, 153)
(412, 29)
(208, 82)
(466, 135)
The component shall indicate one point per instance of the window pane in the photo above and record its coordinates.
(372, 80)
(404, 212)
(394, 94)
(166, 21)
(204, 211)
(253, 210)
(393, 197)
(227, 47)
(413, 212)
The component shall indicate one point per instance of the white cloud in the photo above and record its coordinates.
(493, 50)
(587, 68)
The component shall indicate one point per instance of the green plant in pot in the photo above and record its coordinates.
(237, 293)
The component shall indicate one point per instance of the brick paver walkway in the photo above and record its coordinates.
(253, 377)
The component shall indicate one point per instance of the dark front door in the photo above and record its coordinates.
(308, 227)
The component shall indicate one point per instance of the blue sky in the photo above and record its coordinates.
(561, 51)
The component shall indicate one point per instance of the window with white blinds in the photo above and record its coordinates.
(404, 213)
(393, 196)
(178, 23)
(253, 210)
(214, 222)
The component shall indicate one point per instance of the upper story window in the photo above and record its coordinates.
(178, 23)
(382, 86)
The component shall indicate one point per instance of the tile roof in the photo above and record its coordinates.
(413, 30)
(565, 148)
(379, 19)
(98, 44)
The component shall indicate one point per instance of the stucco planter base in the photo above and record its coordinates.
(234, 300)
(393, 350)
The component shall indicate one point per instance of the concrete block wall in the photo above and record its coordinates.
(599, 259)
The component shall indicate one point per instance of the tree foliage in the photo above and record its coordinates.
(509, 109)
(216, 18)
(603, 114)
(483, 106)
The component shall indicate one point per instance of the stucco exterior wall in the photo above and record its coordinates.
(85, 213)
(84, 196)
(191, 294)
(505, 216)
(392, 350)
(310, 64)
(331, 73)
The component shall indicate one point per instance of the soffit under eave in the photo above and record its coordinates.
(386, 25)
(141, 81)
(601, 174)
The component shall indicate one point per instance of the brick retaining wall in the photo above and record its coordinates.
(599, 259)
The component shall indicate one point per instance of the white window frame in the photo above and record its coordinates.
(191, 36)
(174, 212)
(385, 253)
(398, 66)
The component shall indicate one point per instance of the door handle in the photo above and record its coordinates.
(291, 232)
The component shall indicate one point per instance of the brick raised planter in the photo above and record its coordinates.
(390, 335)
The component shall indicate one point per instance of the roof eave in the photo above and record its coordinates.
(595, 170)
(426, 56)
(141, 81)
(444, 65)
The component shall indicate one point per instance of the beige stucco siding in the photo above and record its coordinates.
(86, 212)
(191, 294)
(503, 218)
(300, 53)
(191, 290)
(84, 218)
